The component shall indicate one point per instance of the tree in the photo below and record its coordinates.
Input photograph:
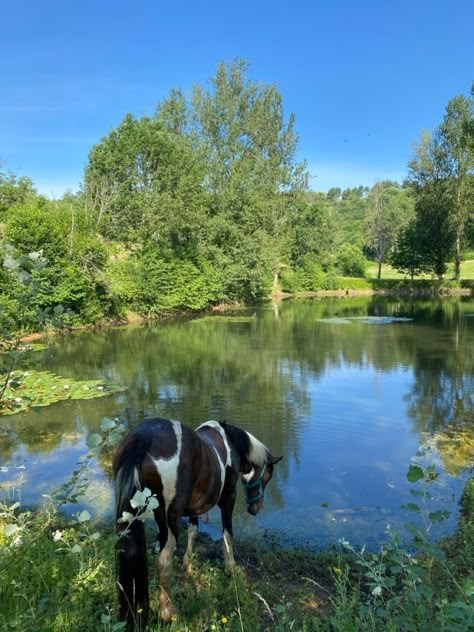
(406, 255)
(253, 181)
(143, 182)
(388, 211)
(441, 172)
(14, 190)
(454, 133)
(334, 194)
(313, 233)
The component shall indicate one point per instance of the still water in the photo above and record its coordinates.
(348, 401)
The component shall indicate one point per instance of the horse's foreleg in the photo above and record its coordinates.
(227, 507)
(168, 538)
(192, 533)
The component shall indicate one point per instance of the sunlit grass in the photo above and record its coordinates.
(467, 271)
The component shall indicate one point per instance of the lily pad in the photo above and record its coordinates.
(29, 389)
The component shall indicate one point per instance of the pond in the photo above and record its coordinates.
(349, 401)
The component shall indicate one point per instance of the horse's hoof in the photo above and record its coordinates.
(167, 613)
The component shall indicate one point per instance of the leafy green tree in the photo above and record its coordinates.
(34, 228)
(348, 214)
(253, 179)
(14, 190)
(334, 194)
(454, 132)
(441, 173)
(350, 260)
(144, 183)
(407, 256)
(389, 209)
(313, 232)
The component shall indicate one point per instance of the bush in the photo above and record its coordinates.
(309, 278)
(166, 285)
(35, 228)
(351, 261)
(122, 285)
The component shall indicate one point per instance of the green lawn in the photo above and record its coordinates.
(467, 271)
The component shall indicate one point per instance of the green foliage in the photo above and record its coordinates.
(141, 182)
(14, 190)
(407, 256)
(410, 589)
(36, 228)
(122, 284)
(167, 285)
(308, 278)
(349, 215)
(390, 208)
(441, 173)
(461, 547)
(350, 261)
(313, 234)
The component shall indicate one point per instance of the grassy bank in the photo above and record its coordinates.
(59, 575)
(467, 271)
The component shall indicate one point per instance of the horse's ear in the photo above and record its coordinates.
(275, 459)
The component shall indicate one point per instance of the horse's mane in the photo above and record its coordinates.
(249, 447)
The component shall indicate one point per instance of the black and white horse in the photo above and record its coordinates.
(189, 472)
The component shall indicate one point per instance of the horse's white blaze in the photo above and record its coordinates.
(168, 468)
(217, 426)
(258, 454)
(248, 477)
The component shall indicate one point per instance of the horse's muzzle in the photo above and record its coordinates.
(253, 508)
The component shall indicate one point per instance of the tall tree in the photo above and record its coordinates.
(441, 172)
(458, 155)
(389, 209)
(143, 182)
(253, 179)
(406, 255)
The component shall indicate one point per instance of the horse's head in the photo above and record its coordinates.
(254, 479)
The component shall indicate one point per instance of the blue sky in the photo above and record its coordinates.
(362, 77)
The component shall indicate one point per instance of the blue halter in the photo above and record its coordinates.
(261, 492)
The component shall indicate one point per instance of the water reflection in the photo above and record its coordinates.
(348, 405)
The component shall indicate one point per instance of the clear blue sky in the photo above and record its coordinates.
(363, 77)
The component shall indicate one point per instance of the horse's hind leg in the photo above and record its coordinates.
(192, 533)
(169, 530)
(226, 505)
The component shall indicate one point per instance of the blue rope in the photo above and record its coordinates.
(261, 491)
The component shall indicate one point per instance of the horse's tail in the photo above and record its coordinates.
(132, 570)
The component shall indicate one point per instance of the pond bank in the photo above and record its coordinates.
(394, 288)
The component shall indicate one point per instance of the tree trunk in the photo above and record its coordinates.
(379, 274)
(276, 274)
(457, 258)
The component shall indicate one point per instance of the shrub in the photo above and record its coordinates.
(35, 228)
(351, 261)
(165, 285)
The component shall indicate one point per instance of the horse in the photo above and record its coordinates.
(189, 472)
